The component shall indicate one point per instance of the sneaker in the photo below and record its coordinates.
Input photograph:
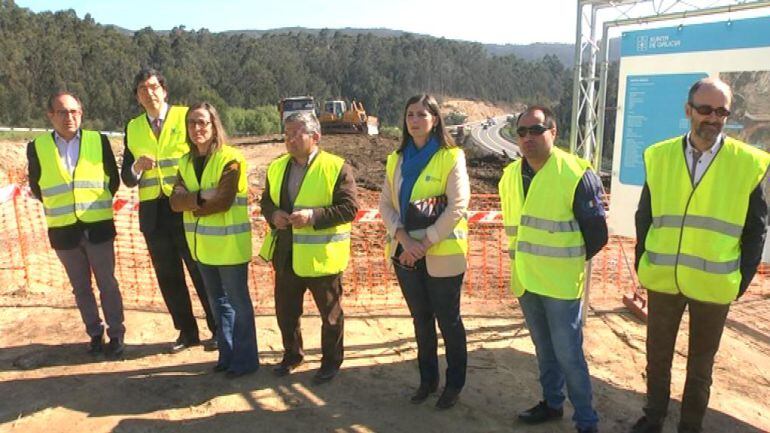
(540, 413)
(115, 348)
(96, 346)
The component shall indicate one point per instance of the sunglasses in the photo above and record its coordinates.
(522, 131)
(705, 110)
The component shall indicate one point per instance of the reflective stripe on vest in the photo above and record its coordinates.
(698, 222)
(431, 183)
(165, 150)
(693, 245)
(83, 195)
(223, 238)
(315, 253)
(545, 244)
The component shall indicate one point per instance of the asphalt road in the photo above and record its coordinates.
(491, 139)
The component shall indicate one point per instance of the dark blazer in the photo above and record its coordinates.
(343, 210)
(68, 237)
(152, 213)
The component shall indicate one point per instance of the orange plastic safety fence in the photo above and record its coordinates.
(31, 274)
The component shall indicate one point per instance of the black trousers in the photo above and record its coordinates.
(168, 250)
(706, 324)
(430, 300)
(289, 295)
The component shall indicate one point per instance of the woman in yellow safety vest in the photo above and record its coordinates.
(212, 191)
(423, 204)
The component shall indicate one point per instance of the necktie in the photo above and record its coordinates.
(696, 154)
(156, 127)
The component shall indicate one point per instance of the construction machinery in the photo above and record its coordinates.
(295, 104)
(339, 118)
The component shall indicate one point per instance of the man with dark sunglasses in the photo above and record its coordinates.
(554, 219)
(700, 230)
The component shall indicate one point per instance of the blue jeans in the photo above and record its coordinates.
(228, 292)
(555, 327)
(432, 299)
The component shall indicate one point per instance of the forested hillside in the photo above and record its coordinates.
(49, 51)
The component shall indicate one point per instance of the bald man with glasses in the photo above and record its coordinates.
(700, 230)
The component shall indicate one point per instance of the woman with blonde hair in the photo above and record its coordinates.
(423, 204)
(211, 190)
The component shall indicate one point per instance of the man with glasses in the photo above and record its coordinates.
(554, 219)
(154, 142)
(700, 230)
(73, 172)
(309, 201)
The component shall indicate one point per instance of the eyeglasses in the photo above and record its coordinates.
(705, 110)
(522, 131)
(151, 87)
(66, 113)
(199, 123)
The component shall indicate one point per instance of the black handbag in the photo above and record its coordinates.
(421, 214)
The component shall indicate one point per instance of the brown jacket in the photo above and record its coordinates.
(183, 200)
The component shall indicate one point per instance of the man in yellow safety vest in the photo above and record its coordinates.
(309, 201)
(73, 172)
(700, 230)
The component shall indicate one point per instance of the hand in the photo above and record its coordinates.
(144, 163)
(208, 194)
(301, 218)
(180, 189)
(413, 249)
(281, 220)
(406, 259)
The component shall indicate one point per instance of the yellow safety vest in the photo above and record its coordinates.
(545, 244)
(315, 253)
(431, 183)
(223, 238)
(165, 150)
(85, 195)
(693, 245)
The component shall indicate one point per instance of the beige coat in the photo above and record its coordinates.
(458, 192)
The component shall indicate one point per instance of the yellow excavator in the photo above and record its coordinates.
(338, 118)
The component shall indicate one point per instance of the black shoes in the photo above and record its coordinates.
(211, 344)
(115, 348)
(237, 374)
(540, 413)
(285, 368)
(423, 392)
(448, 398)
(96, 346)
(325, 375)
(183, 343)
(646, 425)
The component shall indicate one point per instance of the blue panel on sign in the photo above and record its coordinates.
(725, 35)
(654, 111)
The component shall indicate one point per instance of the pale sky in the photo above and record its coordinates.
(488, 21)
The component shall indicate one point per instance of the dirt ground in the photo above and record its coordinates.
(49, 384)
